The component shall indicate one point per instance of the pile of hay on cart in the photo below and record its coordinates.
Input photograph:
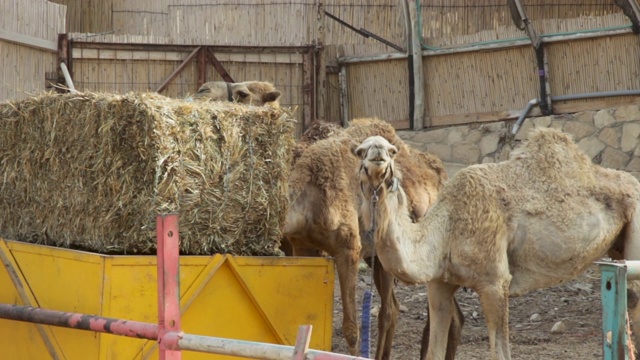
(92, 171)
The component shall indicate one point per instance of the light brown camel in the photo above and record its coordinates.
(323, 215)
(536, 220)
(256, 93)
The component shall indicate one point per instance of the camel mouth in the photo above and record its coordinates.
(377, 161)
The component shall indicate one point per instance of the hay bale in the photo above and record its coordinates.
(92, 171)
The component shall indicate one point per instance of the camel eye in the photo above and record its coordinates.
(242, 94)
(393, 152)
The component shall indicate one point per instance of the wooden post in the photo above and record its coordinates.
(415, 49)
(63, 57)
(344, 96)
(322, 65)
(308, 88)
(202, 67)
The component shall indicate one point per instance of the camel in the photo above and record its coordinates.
(257, 93)
(536, 220)
(323, 215)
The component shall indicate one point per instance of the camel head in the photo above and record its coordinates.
(377, 156)
(256, 93)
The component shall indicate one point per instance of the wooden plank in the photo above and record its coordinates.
(307, 89)
(178, 70)
(322, 67)
(566, 107)
(218, 66)
(415, 47)
(459, 119)
(344, 96)
(202, 68)
(189, 48)
(27, 40)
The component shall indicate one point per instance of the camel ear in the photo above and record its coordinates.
(357, 149)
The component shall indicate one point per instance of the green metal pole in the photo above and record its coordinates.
(614, 311)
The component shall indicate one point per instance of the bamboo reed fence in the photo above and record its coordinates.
(477, 64)
(28, 45)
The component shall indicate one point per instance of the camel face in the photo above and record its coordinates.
(377, 156)
(256, 93)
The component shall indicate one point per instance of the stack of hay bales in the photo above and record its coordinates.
(92, 171)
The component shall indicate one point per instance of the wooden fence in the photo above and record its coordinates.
(177, 71)
(28, 45)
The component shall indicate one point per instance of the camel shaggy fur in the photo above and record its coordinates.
(536, 220)
(324, 215)
(256, 93)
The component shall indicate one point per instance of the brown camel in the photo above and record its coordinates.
(324, 215)
(256, 93)
(536, 220)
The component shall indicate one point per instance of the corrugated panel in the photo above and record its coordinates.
(379, 89)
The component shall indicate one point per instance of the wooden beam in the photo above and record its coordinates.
(218, 66)
(63, 57)
(572, 106)
(418, 78)
(460, 119)
(344, 96)
(188, 48)
(202, 67)
(308, 89)
(321, 70)
(370, 58)
(531, 32)
(28, 41)
(178, 70)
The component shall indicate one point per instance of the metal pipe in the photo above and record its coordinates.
(523, 114)
(133, 329)
(580, 96)
(67, 78)
(633, 269)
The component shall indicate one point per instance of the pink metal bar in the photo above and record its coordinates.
(30, 314)
(302, 342)
(168, 282)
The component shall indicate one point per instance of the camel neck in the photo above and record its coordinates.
(411, 251)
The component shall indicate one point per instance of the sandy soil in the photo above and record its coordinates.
(577, 303)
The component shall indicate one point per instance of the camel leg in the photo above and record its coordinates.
(347, 268)
(442, 307)
(455, 334)
(494, 299)
(388, 315)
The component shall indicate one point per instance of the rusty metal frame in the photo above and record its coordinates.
(308, 52)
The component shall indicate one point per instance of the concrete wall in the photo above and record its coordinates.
(609, 136)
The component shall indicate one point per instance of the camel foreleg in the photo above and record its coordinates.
(443, 309)
(494, 299)
(388, 315)
(347, 268)
(455, 334)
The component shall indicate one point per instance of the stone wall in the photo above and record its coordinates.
(610, 137)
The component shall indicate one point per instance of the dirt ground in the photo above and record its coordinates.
(576, 303)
